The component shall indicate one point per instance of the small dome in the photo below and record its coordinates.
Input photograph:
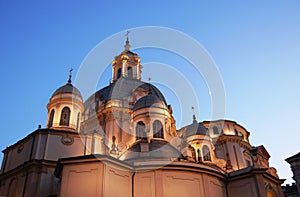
(149, 101)
(121, 89)
(68, 88)
(126, 54)
(196, 129)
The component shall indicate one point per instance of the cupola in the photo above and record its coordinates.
(127, 64)
(65, 108)
(151, 118)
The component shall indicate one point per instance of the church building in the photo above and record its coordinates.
(123, 141)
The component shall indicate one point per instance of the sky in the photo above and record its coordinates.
(254, 44)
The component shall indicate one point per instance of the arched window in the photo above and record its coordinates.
(216, 130)
(140, 130)
(129, 72)
(240, 134)
(158, 131)
(77, 122)
(206, 153)
(236, 132)
(65, 116)
(192, 152)
(198, 156)
(50, 123)
(119, 73)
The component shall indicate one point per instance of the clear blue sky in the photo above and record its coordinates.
(255, 44)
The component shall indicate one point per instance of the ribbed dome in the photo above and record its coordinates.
(68, 88)
(196, 129)
(123, 88)
(148, 101)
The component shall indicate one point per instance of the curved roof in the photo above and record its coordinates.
(124, 87)
(195, 129)
(68, 88)
(149, 100)
(129, 53)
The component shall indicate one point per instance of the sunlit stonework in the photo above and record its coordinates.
(123, 141)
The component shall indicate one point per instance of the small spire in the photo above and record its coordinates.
(194, 116)
(127, 45)
(70, 76)
(150, 89)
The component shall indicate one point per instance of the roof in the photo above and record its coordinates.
(148, 101)
(129, 53)
(67, 88)
(40, 131)
(124, 87)
(223, 121)
(294, 157)
(158, 149)
(195, 129)
(261, 150)
(288, 190)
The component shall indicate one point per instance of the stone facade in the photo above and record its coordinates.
(123, 141)
(292, 190)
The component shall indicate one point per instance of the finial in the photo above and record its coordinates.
(70, 75)
(150, 89)
(127, 45)
(127, 33)
(194, 116)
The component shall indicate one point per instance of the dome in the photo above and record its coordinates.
(129, 54)
(68, 88)
(148, 101)
(123, 88)
(65, 108)
(195, 129)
